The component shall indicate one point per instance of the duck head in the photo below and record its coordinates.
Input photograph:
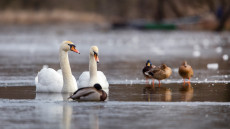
(94, 52)
(148, 63)
(163, 66)
(68, 46)
(103, 93)
(185, 63)
(97, 86)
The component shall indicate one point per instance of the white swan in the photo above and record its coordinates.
(49, 80)
(91, 77)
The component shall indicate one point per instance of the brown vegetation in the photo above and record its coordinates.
(94, 11)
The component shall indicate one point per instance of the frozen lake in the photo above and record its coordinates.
(123, 53)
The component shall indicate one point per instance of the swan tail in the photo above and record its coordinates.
(48, 80)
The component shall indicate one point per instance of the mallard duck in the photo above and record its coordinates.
(185, 71)
(147, 70)
(161, 72)
(94, 93)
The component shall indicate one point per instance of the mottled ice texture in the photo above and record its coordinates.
(132, 103)
(213, 66)
(123, 53)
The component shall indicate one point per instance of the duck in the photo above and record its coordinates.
(94, 93)
(161, 72)
(146, 71)
(62, 80)
(91, 77)
(185, 71)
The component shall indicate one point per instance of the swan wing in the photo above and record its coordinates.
(102, 80)
(48, 80)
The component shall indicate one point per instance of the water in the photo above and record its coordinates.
(132, 103)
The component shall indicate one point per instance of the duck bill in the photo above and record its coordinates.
(148, 64)
(75, 50)
(96, 58)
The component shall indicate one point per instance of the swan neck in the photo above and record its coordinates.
(92, 69)
(66, 70)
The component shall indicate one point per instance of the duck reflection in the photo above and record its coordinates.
(157, 94)
(186, 92)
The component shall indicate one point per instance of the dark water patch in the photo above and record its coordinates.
(25, 92)
(173, 92)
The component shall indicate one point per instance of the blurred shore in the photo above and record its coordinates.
(22, 17)
(211, 15)
(48, 17)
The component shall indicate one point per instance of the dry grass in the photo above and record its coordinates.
(42, 17)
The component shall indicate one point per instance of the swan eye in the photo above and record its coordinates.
(94, 53)
(71, 46)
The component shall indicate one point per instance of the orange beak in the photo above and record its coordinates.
(75, 50)
(96, 58)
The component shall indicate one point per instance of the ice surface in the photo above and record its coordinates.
(214, 66)
(196, 53)
(123, 53)
(113, 115)
(219, 49)
(225, 57)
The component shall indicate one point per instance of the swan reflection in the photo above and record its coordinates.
(157, 94)
(93, 121)
(52, 96)
(67, 116)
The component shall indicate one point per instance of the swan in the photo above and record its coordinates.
(94, 93)
(91, 77)
(49, 80)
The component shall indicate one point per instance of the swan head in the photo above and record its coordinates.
(68, 46)
(94, 52)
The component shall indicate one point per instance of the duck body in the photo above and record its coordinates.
(185, 71)
(161, 72)
(90, 94)
(50, 80)
(147, 70)
(91, 77)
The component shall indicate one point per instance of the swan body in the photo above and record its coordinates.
(91, 77)
(50, 80)
(84, 80)
(90, 94)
